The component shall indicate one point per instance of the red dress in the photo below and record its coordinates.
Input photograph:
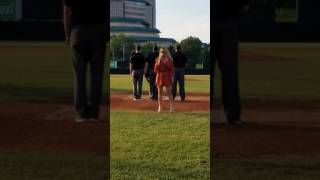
(164, 72)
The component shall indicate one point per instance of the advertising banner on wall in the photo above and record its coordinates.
(10, 10)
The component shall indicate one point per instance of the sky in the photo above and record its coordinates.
(180, 19)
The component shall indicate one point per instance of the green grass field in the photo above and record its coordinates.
(146, 145)
(293, 76)
(194, 83)
(165, 146)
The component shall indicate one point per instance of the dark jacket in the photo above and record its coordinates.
(137, 60)
(151, 59)
(179, 60)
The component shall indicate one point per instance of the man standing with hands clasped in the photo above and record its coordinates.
(179, 63)
(85, 25)
(137, 68)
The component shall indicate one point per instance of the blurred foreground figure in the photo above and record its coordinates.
(85, 25)
(225, 52)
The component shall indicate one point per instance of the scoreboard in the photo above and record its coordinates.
(10, 10)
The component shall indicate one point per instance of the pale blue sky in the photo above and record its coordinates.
(180, 19)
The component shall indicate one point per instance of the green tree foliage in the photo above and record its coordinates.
(146, 48)
(205, 56)
(192, 47)
(121, 47)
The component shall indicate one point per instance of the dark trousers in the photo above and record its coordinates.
(137, 79)
(88, 47)
(153, 90)
(178, 78)
(225, 52)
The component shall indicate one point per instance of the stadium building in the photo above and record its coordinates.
(136, 18)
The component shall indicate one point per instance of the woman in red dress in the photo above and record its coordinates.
(164, 76)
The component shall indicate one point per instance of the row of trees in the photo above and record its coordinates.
(197, 52)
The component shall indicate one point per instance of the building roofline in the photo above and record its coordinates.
(140, 1)
(146, 39)
(133, 29)
(129, 20)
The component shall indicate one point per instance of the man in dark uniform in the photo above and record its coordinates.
(85, 27)
(137, 66)
(149, 73)
(225, 52)
(179, 63)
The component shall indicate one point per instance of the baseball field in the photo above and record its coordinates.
(281, 102)
(39, 139)
(150, 145)
(281, 110)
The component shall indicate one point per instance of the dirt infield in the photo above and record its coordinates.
(274, 129)
(195, 102)
(43, 127)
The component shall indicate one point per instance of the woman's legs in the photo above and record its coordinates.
(160, 91)
(169, 92)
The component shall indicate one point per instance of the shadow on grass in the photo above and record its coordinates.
(43, 166)
(271, 169)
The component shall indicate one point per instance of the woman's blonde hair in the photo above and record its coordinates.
(164, 51)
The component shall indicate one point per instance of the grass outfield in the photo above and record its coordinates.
(42, 166)
(270, 169)
(159, 146)
(194, 83)
(45, 69)
(286, 71)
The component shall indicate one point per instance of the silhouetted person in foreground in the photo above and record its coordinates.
(225, 52)
(150, 74)
(179, 62)
(85, 25)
